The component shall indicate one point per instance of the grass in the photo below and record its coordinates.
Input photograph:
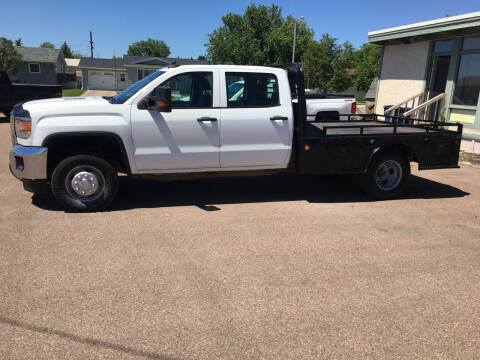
(72, 92)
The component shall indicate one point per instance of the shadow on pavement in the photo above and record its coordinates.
(84, 340)
(146, 193)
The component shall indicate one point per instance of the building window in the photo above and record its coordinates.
(141, 73)
(467, 86)
(471, 43)
(122, 77)
(34, 68)
(442, 46)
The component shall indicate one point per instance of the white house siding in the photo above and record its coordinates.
(403, 73)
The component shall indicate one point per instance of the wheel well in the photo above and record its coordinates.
(107, 146)
(397, 148)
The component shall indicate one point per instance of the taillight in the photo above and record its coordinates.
(354, 107)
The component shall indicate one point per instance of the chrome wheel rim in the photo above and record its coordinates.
(85, 183)
(388, 175)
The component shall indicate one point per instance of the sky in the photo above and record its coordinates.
(185, 25)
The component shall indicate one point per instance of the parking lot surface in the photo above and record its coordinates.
(279, 267)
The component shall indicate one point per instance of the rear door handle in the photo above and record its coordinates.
(206, 118)
(277, 117)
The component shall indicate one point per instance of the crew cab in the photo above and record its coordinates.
(11, 94)
(184, 122)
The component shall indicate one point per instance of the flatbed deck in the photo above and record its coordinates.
(368, 127)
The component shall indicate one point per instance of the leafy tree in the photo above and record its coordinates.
(47, 44)
(260, 36)
(149, 47)
(325, 63)
(366, 62)
(19, 42)
(77, 55)
(201, 57)
(66, 50)
(9, 57)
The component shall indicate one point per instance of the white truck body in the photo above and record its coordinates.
(241, 138)
(331, 108)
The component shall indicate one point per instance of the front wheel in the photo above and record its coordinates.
(84, 183)
(387, 176)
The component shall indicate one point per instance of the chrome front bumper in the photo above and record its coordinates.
(28, 162)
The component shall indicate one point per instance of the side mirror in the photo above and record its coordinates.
(162, 99)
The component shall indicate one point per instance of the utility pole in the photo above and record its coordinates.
(91, 45)
(295, 37)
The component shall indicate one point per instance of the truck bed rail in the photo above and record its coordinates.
(367, 123)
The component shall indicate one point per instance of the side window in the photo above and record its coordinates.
(191, 90)
(251, 89)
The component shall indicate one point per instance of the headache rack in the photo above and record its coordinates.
(376, 124)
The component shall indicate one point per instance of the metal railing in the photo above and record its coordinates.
(430, 108)
(406, 103)
(378, 121)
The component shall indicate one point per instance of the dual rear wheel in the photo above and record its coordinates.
(387, 176)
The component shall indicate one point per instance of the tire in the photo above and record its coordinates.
(97, 182)
(387, 176)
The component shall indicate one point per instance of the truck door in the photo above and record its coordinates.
(186, 138)
(257, 119)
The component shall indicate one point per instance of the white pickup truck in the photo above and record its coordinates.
(188, 121)
(330, 106)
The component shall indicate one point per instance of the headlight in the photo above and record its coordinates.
(23, 125)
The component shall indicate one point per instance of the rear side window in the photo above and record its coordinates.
(251, 89)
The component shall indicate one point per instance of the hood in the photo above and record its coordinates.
(59, 103)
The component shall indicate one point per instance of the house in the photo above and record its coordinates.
(436, 64)
(39, 65)
(119, 73)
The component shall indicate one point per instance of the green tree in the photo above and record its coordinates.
(66, 50)
(149, 47)
(9, 57)
(260, 36)
(19, 42)
(366, 62)
(201, 57)
(47, 44)
(325, 63)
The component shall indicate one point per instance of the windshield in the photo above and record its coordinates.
(133, 89)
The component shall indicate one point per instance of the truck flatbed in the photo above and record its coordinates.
(369, 128)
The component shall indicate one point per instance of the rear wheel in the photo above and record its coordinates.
(84, 183)
(387, 176)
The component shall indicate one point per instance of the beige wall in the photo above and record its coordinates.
(403, 73)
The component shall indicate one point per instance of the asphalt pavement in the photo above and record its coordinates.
(278, 267)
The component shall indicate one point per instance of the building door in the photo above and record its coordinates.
(438, 75)
(437, 83)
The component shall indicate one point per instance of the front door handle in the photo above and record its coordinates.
(206, 118)
(278, 117)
